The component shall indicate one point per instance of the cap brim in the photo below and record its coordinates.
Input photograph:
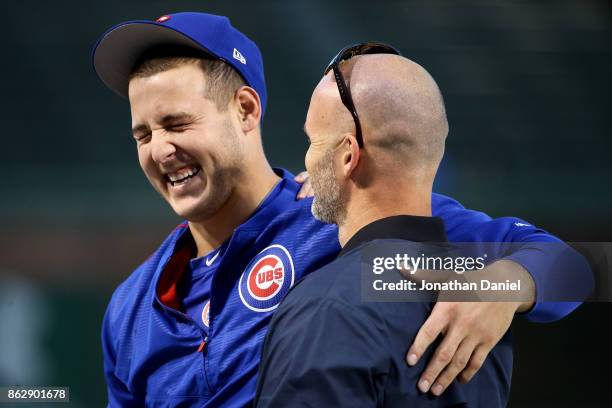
(120, 47)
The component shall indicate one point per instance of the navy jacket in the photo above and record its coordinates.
(328, 348)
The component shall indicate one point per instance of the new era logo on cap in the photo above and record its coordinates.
(239, 56)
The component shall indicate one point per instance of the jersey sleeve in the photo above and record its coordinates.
(117, 391)
(559, 272)
(555, 267)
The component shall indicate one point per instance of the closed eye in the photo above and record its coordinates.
(141, 137)
(181, 127)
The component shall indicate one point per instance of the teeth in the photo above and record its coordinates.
(182, 174)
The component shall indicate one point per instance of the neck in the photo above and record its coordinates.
(366, 206)
(252, 188)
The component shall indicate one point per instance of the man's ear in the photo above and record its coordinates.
(350, 153)
(248, 108)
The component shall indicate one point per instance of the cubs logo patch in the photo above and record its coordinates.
(267, 279)
(205, 313)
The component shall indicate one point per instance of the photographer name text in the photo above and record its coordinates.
(451, 285)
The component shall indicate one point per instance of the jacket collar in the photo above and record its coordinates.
(406, 227)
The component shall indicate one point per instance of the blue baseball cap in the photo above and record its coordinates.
(120, 47)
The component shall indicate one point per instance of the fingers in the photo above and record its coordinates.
(429, 331)
(309, 190)
(475, 363)
(471, 330)
(441, 358)
(302, 177)
(459, 361)
(306, 189)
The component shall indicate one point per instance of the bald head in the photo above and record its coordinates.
(399, 104)
(404, 126)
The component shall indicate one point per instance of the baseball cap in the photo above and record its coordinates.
(120, 47)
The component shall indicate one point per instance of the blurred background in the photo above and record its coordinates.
(528, 93)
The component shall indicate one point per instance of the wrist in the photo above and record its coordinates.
(511, 270)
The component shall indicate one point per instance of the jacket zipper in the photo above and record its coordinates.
(203, 344)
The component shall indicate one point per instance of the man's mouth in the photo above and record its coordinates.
(182, 176)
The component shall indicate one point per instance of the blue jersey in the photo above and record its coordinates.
(194, 291)
(155, 354)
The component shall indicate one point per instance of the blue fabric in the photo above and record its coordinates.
(213, 33)
(195, 292)
(150, 350)
(541, 261)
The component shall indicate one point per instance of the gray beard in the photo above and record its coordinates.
(328, 203)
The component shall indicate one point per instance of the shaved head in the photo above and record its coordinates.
(399, 104)
(404, 128)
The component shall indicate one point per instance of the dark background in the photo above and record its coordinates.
(527, 87)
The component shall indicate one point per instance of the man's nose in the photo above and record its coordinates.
(162, 148)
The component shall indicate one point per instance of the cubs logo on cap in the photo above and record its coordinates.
(267, 279)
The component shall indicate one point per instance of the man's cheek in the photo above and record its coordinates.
(308, 160)
(144, 157)
(155, 177)
(314, 179)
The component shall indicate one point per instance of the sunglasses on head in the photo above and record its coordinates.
(370, 47)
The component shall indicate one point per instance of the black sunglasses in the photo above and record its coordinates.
(370, 47)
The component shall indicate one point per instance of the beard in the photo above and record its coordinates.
(328, 204)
